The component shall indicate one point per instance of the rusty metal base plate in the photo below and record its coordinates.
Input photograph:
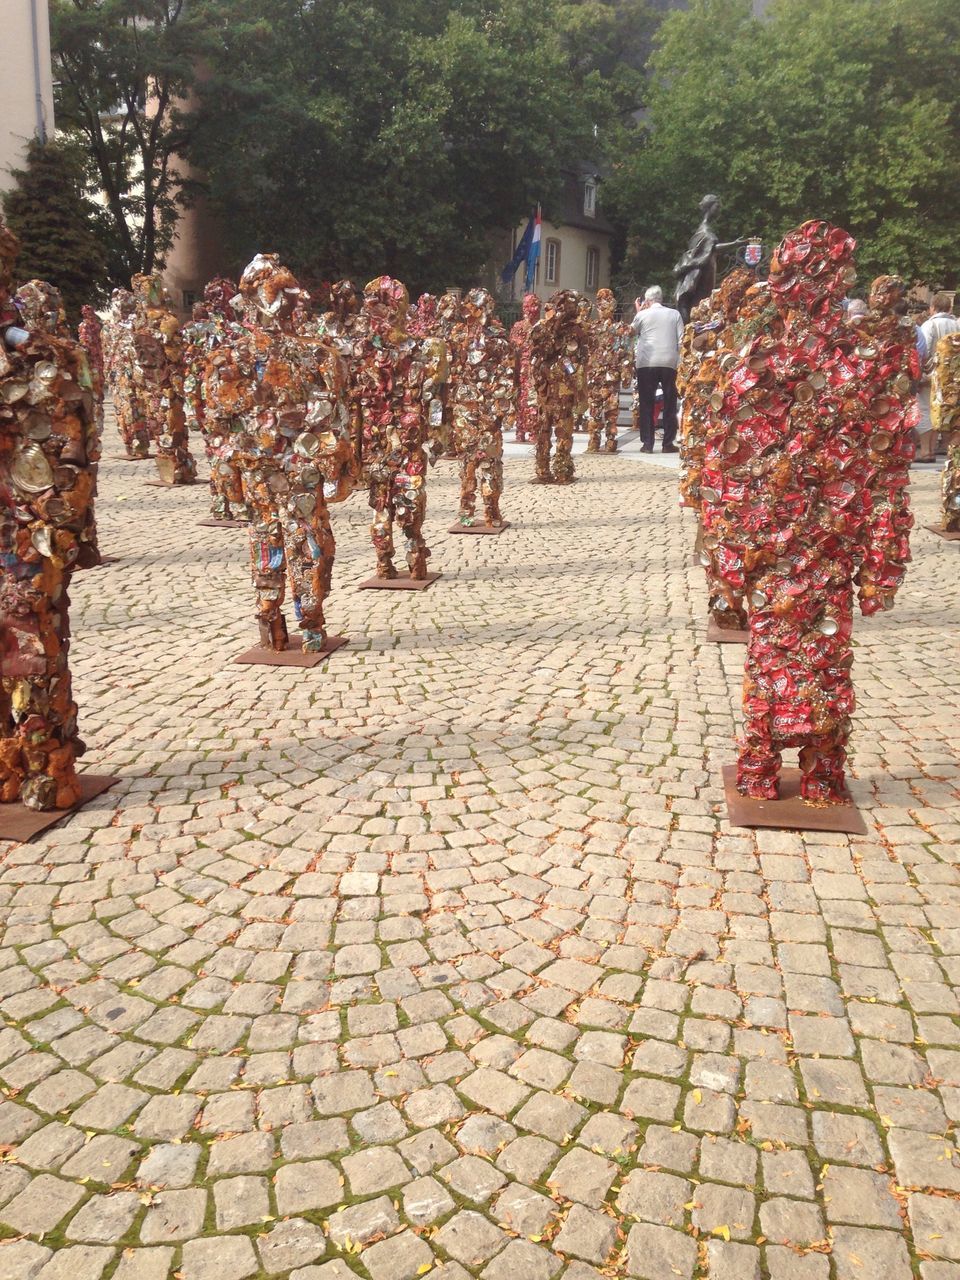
(125, 457)
(790, 812)
(182, 484)
(480, 528)
(213, 523)
(18, 823)
(953, 536)
(403, 582)
(725, 635)
(292, 656)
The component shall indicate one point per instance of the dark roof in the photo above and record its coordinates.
(568, 211)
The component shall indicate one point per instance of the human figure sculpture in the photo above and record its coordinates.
(214, 322)
(945, 411)
(158, 373)
(610, 368)
(423, 317)
(397, 377)
(696, 272)
(708, 345)
(526, 409)
(480, 388)
(558, 364)
(119, 363)
(281, 398)
(90, 335)
(804, 489)
(48, 452)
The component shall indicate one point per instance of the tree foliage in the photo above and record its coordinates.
(59, 229)
(126, 69)
(360, 136)
(842, 109)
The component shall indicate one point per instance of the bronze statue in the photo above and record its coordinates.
(696, 271)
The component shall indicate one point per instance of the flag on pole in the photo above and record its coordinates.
(520, 254)
(533, 255)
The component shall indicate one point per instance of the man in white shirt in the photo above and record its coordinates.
(659, 330)
(937, 325)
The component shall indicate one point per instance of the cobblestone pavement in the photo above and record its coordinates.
(444, 958)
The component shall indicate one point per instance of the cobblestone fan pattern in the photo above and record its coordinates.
(442, 958)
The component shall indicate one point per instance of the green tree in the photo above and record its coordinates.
(357, 136)
(126, 70)
(59, 229)
(842, 109)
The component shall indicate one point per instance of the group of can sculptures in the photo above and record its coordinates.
(610, 368)
(49, 448)
(396, 379)
(804, 496)
(119, 375)
(158, 372)
(278, 400)
(945, 412)
(527, 411)
(213, 323)
(479, 392)
(558, 366)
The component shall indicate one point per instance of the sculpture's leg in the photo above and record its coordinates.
(542, 458)
(758, 764)
(594, 424)
(491, 480)
(411, 516)
(381, 530)
(173, 442)
(468, 484)
(268, 565)
(562, 458)
(310, 552)
(821, 763)
(612, 412)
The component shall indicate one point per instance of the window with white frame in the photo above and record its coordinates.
(551, 269)
(590, 198)
(593, 268)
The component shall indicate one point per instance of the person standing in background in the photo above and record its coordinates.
(940, 322)
(659, 330)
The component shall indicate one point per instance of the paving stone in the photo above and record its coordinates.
(935, 1223)
(425, 1201)
(583, 1176)
(524, 1210)
(174, 1215)
(362, 1222)
(522, 1258)
(220, 1258)
(470, 1239)
(859, 1196)
(374, 1169)
(170, 1165)
(550, 1116)
(473, 1178)
(312, 1185)
(78, 1262)
(587, 1234)
(717, 1207)
(732, 1261)
(787, 1173)
(399, 1258)
(791, 1222)
(494, 1091)
(654, 1252)
(921, 1161)
(104, 1219)
(857, 1252)
(144, 1264)
(289, 1244)
(40, 1205)
(655, 1197)
(728, 1159)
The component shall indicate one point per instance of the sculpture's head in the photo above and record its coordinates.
(344, 300)
(888, 293)
(270, 292)
(122, 304)
(148, 291)
(40, 306)
(565, 304)
(87, 313)
(218, 296)
(812, 270)
(606, 304)
(531, 307)
(479, 305)
(584, 308)
(426, 310)
(710, 206)
(199, 312)
(448, 308)
(385, 303)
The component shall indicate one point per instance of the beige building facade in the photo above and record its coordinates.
(26, 83)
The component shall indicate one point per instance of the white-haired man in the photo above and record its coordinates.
(659, 330)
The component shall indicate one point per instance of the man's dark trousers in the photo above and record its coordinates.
(648, 379)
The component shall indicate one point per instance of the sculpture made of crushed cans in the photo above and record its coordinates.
(804, 498)
(158, 374)
(480, 389)
(526, 410)
(90, 336)
(280, 397)
(48, 454)
(705, 350)
(558, 365)
(610, 368)
(213, 323)
(945, 409)
(400, 422)
(119, 365)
